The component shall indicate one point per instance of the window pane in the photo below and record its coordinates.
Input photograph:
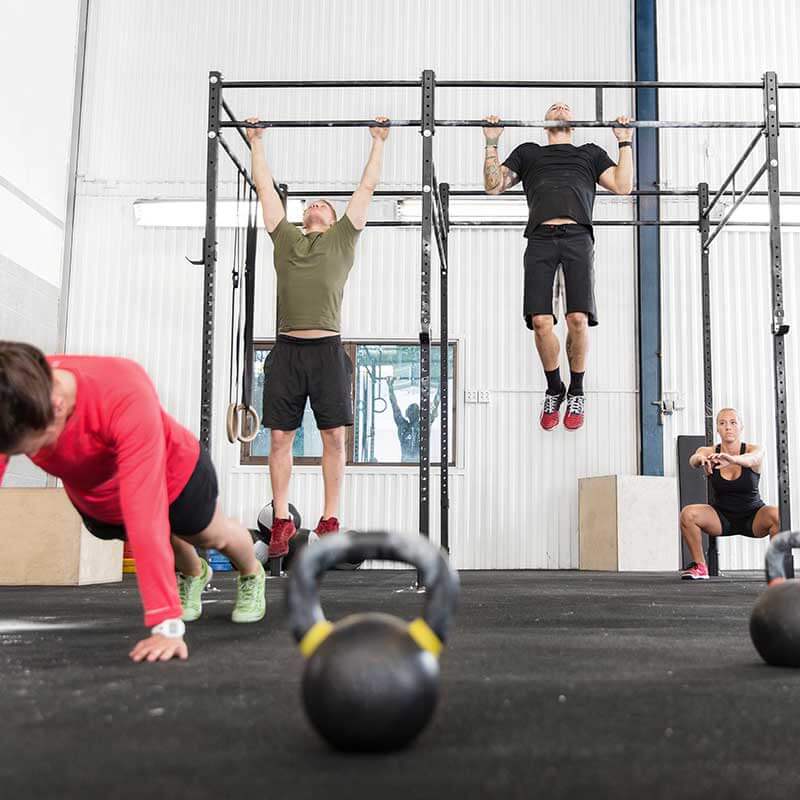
(387, 403)
(307, 440)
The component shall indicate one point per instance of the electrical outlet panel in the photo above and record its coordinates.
(471, 396)
(483, 396)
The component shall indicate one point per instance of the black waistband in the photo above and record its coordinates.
(284, 337)
(561, 228)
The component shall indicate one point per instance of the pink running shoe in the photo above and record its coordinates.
(695, 572)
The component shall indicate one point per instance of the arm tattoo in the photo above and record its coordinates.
(491, 171)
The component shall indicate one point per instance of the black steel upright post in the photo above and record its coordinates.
(444, 373)
(708, 388)
(779, 326)
(427, 130)
(708, 384)
(210, 259)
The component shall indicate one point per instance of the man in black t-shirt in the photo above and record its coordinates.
(408, 424)
(559, 180)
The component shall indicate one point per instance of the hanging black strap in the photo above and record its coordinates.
(233, 369)
(249, 298)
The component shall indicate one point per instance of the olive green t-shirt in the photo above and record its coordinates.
(312, 270)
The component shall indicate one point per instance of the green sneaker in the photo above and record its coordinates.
(190, 591)
(251, 599)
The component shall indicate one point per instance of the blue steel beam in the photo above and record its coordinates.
(651, 454)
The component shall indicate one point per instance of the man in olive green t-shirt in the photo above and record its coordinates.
(308, 360)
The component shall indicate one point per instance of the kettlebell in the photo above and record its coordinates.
(371, 681)
(775, 621)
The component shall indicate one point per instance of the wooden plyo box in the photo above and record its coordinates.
(629, 523)
(43, 543)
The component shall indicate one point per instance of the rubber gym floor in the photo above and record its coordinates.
(555, 684)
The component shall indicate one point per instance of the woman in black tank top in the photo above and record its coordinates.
(733, 469)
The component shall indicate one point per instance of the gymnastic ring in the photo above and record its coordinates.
(241, 423)
(231, 423)
(383, 407)
(249, 423)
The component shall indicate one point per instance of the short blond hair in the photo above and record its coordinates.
(733, 411)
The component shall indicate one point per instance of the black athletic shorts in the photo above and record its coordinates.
(317, 369)
(737, 524)
(570, 248)
(189, 514)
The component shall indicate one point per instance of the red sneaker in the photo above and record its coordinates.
(573, 419)
(552, 403)
(326, 526)
(282, 531)
(695, 572)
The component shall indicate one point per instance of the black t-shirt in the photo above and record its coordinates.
(559, 180)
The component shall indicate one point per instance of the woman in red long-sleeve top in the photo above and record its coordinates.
(132, 472)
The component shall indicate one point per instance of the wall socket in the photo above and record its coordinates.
(477, 396)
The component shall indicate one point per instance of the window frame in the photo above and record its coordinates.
(350, 345)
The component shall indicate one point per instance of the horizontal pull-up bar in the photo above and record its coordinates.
(634, 193)
(633, 223)
(323, 123)
(508, 123)
(467, 84)
(482, 193)
(321, 192)
(594, 123)
(348, 193)
(321, 84)
(602, 223)
(604, 85)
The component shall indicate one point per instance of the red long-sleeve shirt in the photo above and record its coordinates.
(123, 460)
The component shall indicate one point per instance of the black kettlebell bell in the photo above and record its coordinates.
(371, 681)
(775, 621)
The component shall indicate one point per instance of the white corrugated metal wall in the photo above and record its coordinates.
(727, 40)
(514, 491)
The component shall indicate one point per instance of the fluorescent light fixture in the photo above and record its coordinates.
(192, 213)
(466, 209)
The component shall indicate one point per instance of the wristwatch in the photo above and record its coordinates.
(625, 144)
(171, 628)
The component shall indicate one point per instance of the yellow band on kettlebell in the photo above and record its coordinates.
(421, 633)
(315, 636)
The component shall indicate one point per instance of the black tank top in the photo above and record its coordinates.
(738, 496)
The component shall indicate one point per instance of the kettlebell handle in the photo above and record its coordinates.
(780, 546)
(440, 581)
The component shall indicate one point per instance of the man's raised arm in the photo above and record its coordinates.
(359, 202)
(271, 205)
(496, 177)
(619, 178)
